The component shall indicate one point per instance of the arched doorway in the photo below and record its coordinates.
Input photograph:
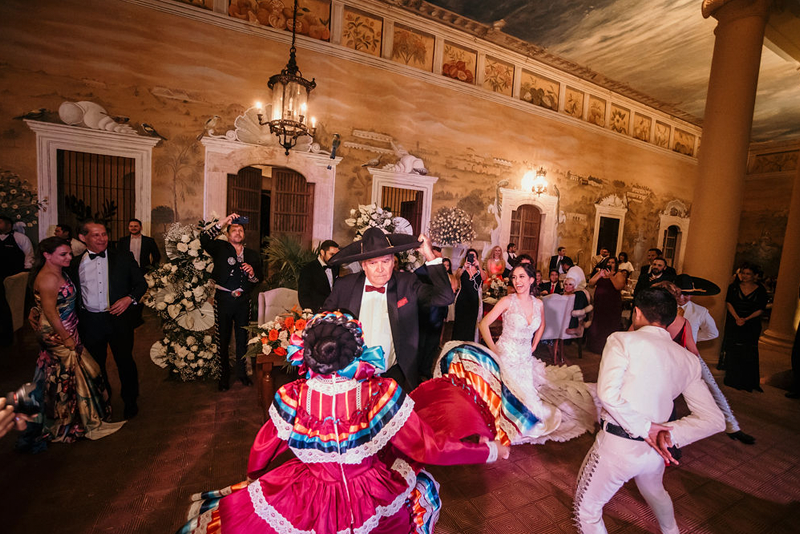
(278, 201)
(526, 221)
(671, 244)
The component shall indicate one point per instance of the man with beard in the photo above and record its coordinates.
(658, 273)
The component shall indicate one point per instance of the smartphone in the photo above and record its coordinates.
(244, 219)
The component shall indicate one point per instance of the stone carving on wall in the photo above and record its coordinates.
(91, 115)
(248, 130)
(612, 201)
(676, 208)
(406, 163)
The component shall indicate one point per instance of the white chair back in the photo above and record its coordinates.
(275, 302)
(557, 314)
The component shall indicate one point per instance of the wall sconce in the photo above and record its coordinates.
(535, 181)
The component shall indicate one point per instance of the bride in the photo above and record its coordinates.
(531, 402)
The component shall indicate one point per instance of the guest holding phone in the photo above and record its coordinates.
(468, 299)
(237, 270)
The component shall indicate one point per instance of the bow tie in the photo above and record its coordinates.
(98, 255)
(326, 267)
(380, 290)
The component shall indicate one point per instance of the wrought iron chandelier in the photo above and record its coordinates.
(290, 100)
(535, 182)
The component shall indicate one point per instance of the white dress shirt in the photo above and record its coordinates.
(328, 272)
(374, 318)
(703, 325)
(136, 248)
(24, 244)
(640, 375)
(94, 283)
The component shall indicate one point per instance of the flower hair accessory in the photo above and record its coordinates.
(367, 361)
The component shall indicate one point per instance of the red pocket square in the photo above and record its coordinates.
(402, 302)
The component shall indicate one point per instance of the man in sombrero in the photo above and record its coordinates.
(387, 302)
(704, 329)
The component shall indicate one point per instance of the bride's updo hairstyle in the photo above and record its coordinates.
(331, 341)
(528, 268)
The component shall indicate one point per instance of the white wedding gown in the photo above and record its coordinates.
(563, 406)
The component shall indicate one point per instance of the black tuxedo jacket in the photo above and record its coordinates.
(405, 295)
(545, 286)
(226, 271)
(149, 256)
(554, 262)
(644, 278)
(312, 285)
(124, 279)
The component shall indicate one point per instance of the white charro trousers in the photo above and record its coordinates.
(610, 463)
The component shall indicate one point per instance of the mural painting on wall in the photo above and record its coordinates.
(684, 143)
(459, 63)
(573, 102)
(180, 163)
(362, 31)
(597, 111)
(641, 127)
(313, 16)
(761, 236)
(661, 137)
(538, 90)
(774, 162)
(412, 48)
(498, 76)
(620, 119)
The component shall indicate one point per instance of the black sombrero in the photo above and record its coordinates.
(692, 285)
(374, 244)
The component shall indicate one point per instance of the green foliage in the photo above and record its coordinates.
(83, 211)
(285, 256)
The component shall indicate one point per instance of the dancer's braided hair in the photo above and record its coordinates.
(331, 341)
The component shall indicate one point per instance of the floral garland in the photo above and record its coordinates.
(274, 337)
(452, 226)
(179, 291)
(17, 200)
(370, 215)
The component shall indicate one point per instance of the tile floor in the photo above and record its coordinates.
(188, 437)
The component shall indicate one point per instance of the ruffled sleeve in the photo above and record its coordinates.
(266, 447)
(417, 440)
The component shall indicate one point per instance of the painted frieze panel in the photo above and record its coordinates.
(313, 16)
(538, 90)
(620, 119)
(498, 76)
(413, 48)
(573, 102)
(661, 137)
(641, 127)
(683, 142)
(362, 31)
(459, 63)
(597, 111)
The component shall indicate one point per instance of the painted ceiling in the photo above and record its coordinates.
(662, 48)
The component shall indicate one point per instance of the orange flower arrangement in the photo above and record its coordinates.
(275, 336)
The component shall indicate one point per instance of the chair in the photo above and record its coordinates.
(557, 314)
(15, 286)
(275, 302)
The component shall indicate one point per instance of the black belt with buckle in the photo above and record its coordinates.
(618, 431)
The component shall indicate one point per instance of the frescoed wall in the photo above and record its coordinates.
(175, 72)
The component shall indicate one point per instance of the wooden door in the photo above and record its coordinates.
(244, 198)
(525, 224)
(292, 203)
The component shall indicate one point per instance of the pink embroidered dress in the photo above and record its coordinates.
(359, 447)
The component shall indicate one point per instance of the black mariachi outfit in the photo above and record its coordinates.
(231, 300)
(12, 261)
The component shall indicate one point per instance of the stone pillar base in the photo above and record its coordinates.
(776, 341)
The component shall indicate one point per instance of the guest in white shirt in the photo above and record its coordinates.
(641, 373)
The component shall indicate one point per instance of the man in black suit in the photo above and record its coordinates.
(555, 261)
(658, 273)
(652, 254)
(431, 323)
(144, 248)
(317, 277)
(110, 287)
(387, 302)
(553, 286)
(236, 272)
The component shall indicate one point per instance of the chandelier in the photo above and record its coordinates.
(289, 100)
(535, 181)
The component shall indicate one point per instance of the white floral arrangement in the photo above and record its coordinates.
(179, 292)
(368, 216)
(18, 201)
(452, 226)
(497, 287)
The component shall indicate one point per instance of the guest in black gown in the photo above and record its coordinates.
(746, 301)
(468, 300)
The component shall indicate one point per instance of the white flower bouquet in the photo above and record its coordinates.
(18, 201)
(188, 354)
(452, 226)
(370, 215)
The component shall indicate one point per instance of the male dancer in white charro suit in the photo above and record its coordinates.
(641, 373)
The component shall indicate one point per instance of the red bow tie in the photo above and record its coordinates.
(380, 290)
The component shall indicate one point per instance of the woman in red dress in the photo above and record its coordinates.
(359, 444)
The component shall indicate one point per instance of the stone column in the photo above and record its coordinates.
(782, 321)
(722, 159)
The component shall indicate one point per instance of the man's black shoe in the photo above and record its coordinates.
(131, 410)
(747, 439)
(223, 386)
